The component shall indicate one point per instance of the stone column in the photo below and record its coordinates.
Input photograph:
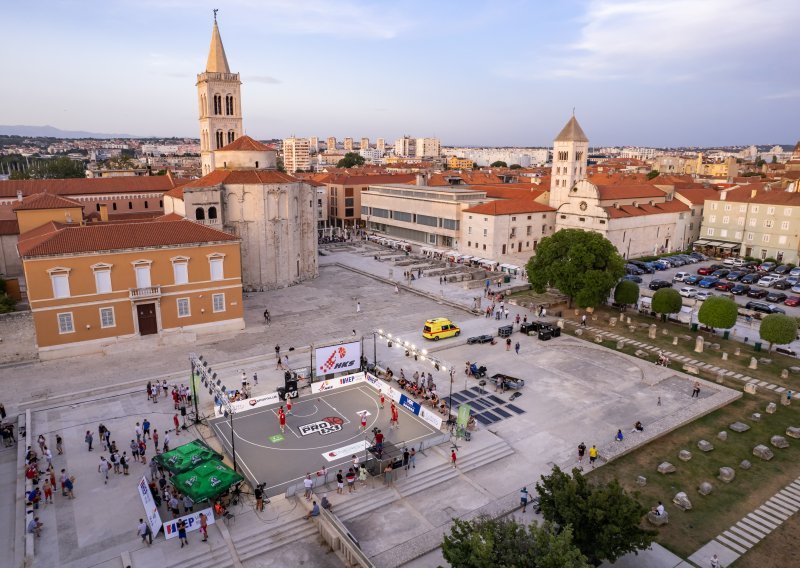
(698, 344)
(652, 331)
(724, 355)
(753, 363)
(675, 340)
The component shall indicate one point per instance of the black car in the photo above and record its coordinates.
(480, 339)
(764, 308)
(633, 278)
(751, 278)
(692, 280)
(757, 293)
(643, 266)
(633, 269)
(721, 273)
(658, 284)
(782, 285)
(740, 289)
(783, 269)
(734, 276)
(776, 297)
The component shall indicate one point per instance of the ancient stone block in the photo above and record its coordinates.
(641, 481)
(681, 501)
(739, 427)
(779, 442)
(753, 363)
(667, 467)
(763, 452)
(705, 445)
(772, 408)
(750, 388)
(745, 464)
(705, 488)
(726, 474)
(684, 455)
(755, 417)
(657, 520)
(640, 353)
(722, 436)
(793, 432)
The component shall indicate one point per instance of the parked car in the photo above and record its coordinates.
(680, 276)
(480, 339)
(795, 271)
(647, 267)
(750, 278)
(662, 265)
(658, 284)
(796, 288)
(757, 293)
(786, 351)
(764, 308)
(740, 289)
(706, 270)
(792, 280)
(633, 278)
(703, 295)
(735, 276)
(687, 292)
(692, 279)
(783, 269)
(721, 273)
(776, 297)
(699, 256)
(792, 301)
(708, 282)
(782, 284)
(768, 281)
(633, 269)
(767, 266)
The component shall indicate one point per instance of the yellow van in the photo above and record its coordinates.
(440, 328)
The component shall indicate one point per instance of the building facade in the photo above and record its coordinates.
(427, 148)
(296, 155)
(345, 193)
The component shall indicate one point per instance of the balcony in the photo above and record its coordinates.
(145, 293)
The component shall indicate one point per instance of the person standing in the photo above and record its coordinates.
(583, 320)
(364, 421)
(59, 444)
(155, 439)
(165, 447)
(123, 460)
(259, 495)
(266, 317)
(204, 525)
(351, 480)
(523, 498)
(89, 438)
(282, 420)
(516, 347)
(177, 424)
(339, 482)
(696, 390)
(145, 532)
(47, 488)
(508, 344)
(308, 485)
(715, 563)
(358, 307)
(188, 504)
(103, 468)
(394, 422)
(406, 458)
(453, 457)
(412, 458)
(182, 533)
(255, 379)
(143, 451)
(383, 399)
(581, 452)
(592, 455)
(288, 403)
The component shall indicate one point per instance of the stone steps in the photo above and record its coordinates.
(253, 544)
(361, 505)
(200, 554)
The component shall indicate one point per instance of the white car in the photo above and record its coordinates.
(679, 276)
(702, 295)
(687, 292)
(795, 272)
(733, 261)
(768, 281)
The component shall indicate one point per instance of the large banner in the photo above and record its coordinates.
(192, 521)
(337, 358)
(150, 509)
(427, 415)
(250, 403)
(337, 383)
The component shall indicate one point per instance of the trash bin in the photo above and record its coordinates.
(694, 327)
(726, 334)
(506, 279)
(758, 346)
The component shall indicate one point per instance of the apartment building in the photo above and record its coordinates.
(296, 154)
(428, 148)
(91, 285)
(348, 144)
(456, 163)
(331, 144)
(313, 144)
(405, 147)
(380, 145)
(364, 144)
(418, 213)
(345, 194)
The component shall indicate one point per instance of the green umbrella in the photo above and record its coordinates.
(185, 457)
(206, 481)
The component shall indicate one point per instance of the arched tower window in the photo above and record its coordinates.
(217, 104)
(231, 136)
(199, 214)
(212, 212)
(229, 105)
(220, 139)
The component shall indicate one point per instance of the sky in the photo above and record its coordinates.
(470, 72)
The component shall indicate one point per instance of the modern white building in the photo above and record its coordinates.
(405, 147)
(296, 154)
(428, 148)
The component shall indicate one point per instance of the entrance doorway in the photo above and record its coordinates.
(146, 314)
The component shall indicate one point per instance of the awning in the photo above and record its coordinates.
(206, 481)
(701, 242)
(730, 245)
(185, 457)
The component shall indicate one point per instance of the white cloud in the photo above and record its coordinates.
(670, 40)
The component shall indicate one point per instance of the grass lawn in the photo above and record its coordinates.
(710, 515)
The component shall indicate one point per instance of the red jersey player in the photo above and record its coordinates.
(395, 415)
(288, 404)
(364, 420)
(282, 420)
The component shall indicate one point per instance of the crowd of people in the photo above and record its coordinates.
(419, 387)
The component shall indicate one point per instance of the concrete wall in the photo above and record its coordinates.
(10, 262)
(17, 337)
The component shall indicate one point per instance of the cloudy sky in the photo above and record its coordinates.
(493, 72)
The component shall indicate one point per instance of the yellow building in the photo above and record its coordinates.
(97, 284)
(456, 163)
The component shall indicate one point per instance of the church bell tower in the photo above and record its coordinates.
(570, 157)
(219, 100)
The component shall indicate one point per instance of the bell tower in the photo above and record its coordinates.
(219, 100)
(570, 156)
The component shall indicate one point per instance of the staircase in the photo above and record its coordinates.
(365, 501)
(261, 538)
(201, 554)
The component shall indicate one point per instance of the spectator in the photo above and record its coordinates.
(35, 526)
(145, 532)
(314, 512)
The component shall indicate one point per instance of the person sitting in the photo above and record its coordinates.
(325, 503)
(658, 510)
(219, 509)
(402, 383)
(35, 526)
(471, 423)
(443, 407)
(314, 512)
(389, 374)
(619, 436)
(637, 427)
(473, 369)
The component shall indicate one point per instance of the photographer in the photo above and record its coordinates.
(259, 493)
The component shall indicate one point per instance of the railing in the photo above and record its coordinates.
(148, 292)
(342, 541)
(211, 76)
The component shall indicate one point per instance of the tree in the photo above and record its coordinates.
(778, 329)
(667, 301)
(60, 168)
(626, 293)
(718, 312)
(120, 162)
(605, 520)
(351, 159)
(514, 167)
(653, 174)
(496, 543)
(7, 303)
(498, 164)
(585, 266)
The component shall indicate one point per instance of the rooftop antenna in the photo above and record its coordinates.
(215, 16)
(215, 19)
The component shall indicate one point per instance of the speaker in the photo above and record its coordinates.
(183, 411)
(291, 386)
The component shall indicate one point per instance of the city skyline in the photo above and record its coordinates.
(472, 73)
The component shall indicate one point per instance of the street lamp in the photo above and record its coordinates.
(201, 371)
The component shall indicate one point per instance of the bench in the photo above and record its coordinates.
(691, 369)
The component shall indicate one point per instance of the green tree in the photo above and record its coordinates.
(514, 167)
(499, 543)
(774, 159)
(667, 301)
(653, 174)
(718, 312)
(778, 329)
(626, 293)
(605, 519)
(7, 303)
(350, 160)
(498, 164)
(760, 162)
(120, 162)
(60, 168)
(583, 265)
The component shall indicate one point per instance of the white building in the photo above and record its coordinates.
(638, 153)
(371, 155)
(405, 147)
(296, 154)
(428, 148)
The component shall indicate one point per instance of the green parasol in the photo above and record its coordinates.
(185, 457)
(206, 481)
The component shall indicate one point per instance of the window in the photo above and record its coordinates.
(787, 212)
(485, 232)
(723, 232)
(217, 104)
(765, 238)
(142, 269)
(102, 281)
(753, 221)
(725, 220)
(215, 263)
(199, 214)
(183, 308)
(755, 208)
(710, 232)
(712, 218)
(785, 225)
(770, 211)
(513, 218)
(727, 207)
(65, 324)
(768, 223)
(713, 206)
(742, 208)
(782, 240)
(130, 204)
(146, 205)
(60, 281)
(218, 302)
(107, 317)
(450, 224)
(402, 216)
(212, 212)
(114, 206)
(528, 231)
(750, 237)
(740, 221)
(427, 220)
(180, 270)
(469, 230)
(220, 139)
(738, 235)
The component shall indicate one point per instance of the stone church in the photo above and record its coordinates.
(242, 192)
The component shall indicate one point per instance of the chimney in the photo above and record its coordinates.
(723, 195)
(19, 195)
(421, 179)
(104, 212)
(68, 217)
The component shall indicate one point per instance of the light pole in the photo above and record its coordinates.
(215, 388)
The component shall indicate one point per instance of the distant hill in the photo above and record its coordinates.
(53, 132)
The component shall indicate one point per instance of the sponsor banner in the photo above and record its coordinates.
(250, 403)
(430, 417)
(150, 509)
(463, 415)
(192, 521)
(409, 404)
(337, 383)
(323, 427)
(338, 358)
(346, 452)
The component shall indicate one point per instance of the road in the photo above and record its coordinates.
(743, 331)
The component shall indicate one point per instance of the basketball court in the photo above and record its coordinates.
(324, 429)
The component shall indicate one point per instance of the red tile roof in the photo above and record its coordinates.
(244, 177)
(628, 191)
(509, 207)
(59, 238)
(93, 186)
(247, 144)
(698, 196)
(9, 227)
(645, 209)
(369, 179)
(45, 201)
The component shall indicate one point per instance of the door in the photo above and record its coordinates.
(146, 314)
